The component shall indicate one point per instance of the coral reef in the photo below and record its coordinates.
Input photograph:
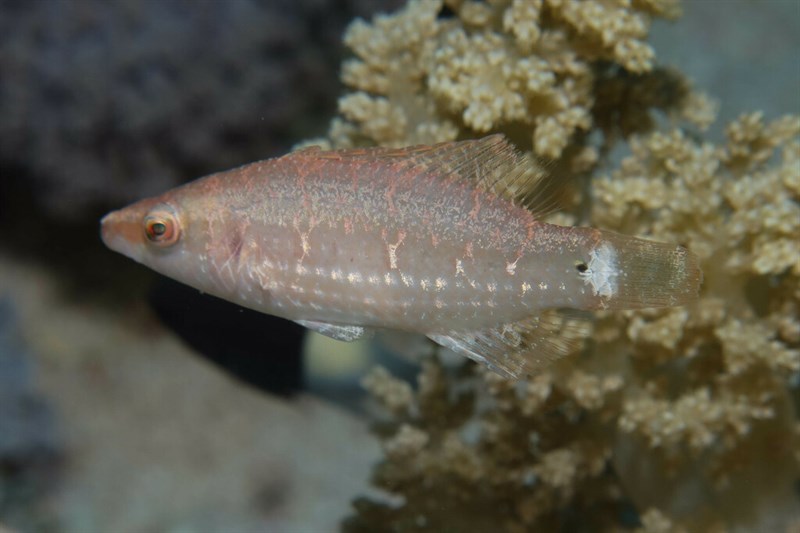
(526, 67)
(106, 102)
(669, 420)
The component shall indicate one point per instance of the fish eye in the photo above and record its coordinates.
(581, 267)
(161, 227)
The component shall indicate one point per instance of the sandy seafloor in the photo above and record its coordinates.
(149, 437)
(157, 439)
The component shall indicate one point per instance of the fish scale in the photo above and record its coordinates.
(437, 240)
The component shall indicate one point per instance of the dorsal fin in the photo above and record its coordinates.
(519, 349)
(492, 163)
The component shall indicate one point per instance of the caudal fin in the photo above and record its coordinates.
(632, 273)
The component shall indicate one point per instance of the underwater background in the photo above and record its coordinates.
(129, 403)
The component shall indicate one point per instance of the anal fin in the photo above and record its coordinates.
(336, 331)
(516, 350)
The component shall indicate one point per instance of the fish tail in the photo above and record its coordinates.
(631, 273)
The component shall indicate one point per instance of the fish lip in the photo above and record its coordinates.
(105, 229)
(111, 227)
(116, 229)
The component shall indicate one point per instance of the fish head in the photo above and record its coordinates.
(163, 233)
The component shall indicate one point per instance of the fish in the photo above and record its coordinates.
(446, 240)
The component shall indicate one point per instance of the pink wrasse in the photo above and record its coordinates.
(443, 240)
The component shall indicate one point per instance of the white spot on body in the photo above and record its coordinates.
(542, 286)
(440, 284)
(304, 244)
(392, 248)
(602, 271)
(354, 277)
(260, 277)
(511, 268)
(525, 287)
(392, 256)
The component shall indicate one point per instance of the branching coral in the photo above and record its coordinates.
(670, 420)
(722, 369)
(521, 65)
(514, 467)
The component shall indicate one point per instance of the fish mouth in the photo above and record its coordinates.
(121, 232)
(106, 229)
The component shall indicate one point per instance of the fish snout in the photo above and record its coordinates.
(122, 232)
(106, 229)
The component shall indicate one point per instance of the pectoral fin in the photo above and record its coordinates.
(338, 332)
(518, 349)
